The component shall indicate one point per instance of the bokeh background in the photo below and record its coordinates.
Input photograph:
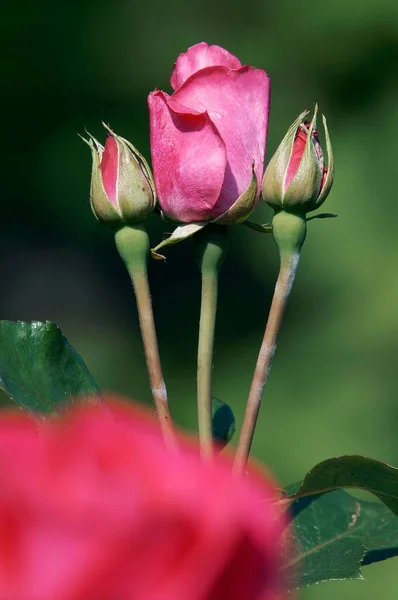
(334, 385)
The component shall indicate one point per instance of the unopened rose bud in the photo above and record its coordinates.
(122, 190)
(297, 178)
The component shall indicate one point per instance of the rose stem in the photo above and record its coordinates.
(289, 233)
(210, 246)
(133, 246)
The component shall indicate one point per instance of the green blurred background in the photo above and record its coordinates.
(334, 384)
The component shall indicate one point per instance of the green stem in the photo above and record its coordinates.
(289, 233)
(133, 246)
(205, 361)
(211, 246)
(264, 360)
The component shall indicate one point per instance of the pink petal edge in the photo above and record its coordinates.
(199, 57)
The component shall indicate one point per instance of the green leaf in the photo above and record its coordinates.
(39, 369)
(334, 535)
(353, 472)
(223, 422)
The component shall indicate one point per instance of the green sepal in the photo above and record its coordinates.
(266, 228)
(243, 206)
(180, 234)
(330, 173)
(101, 208)
(322, 216)
(274, 176)
(237, 213)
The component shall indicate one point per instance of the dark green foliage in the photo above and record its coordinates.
(223, 422)
(39, 369)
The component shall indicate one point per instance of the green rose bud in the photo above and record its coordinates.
(297, 178)
(122, 189)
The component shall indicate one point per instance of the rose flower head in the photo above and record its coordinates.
(208, 137)
(94, 507)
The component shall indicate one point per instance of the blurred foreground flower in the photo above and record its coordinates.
(93, 507)
(207, 136)
(122, 191)
(297, 178)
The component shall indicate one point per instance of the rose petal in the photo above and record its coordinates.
(298, 150)
(295, 157)
(188, 159)
(199, 57)
(237, 103)
(109, 168)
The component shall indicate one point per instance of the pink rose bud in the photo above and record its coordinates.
(122, 190)
(297, 178)
(93, 507)
(208, 137)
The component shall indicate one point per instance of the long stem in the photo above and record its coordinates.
(211, 246)
(283, 286)
(149, 339)
(133, 246)
(205, 360)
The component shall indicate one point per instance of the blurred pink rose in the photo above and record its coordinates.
(93, 507)
(208, 133)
